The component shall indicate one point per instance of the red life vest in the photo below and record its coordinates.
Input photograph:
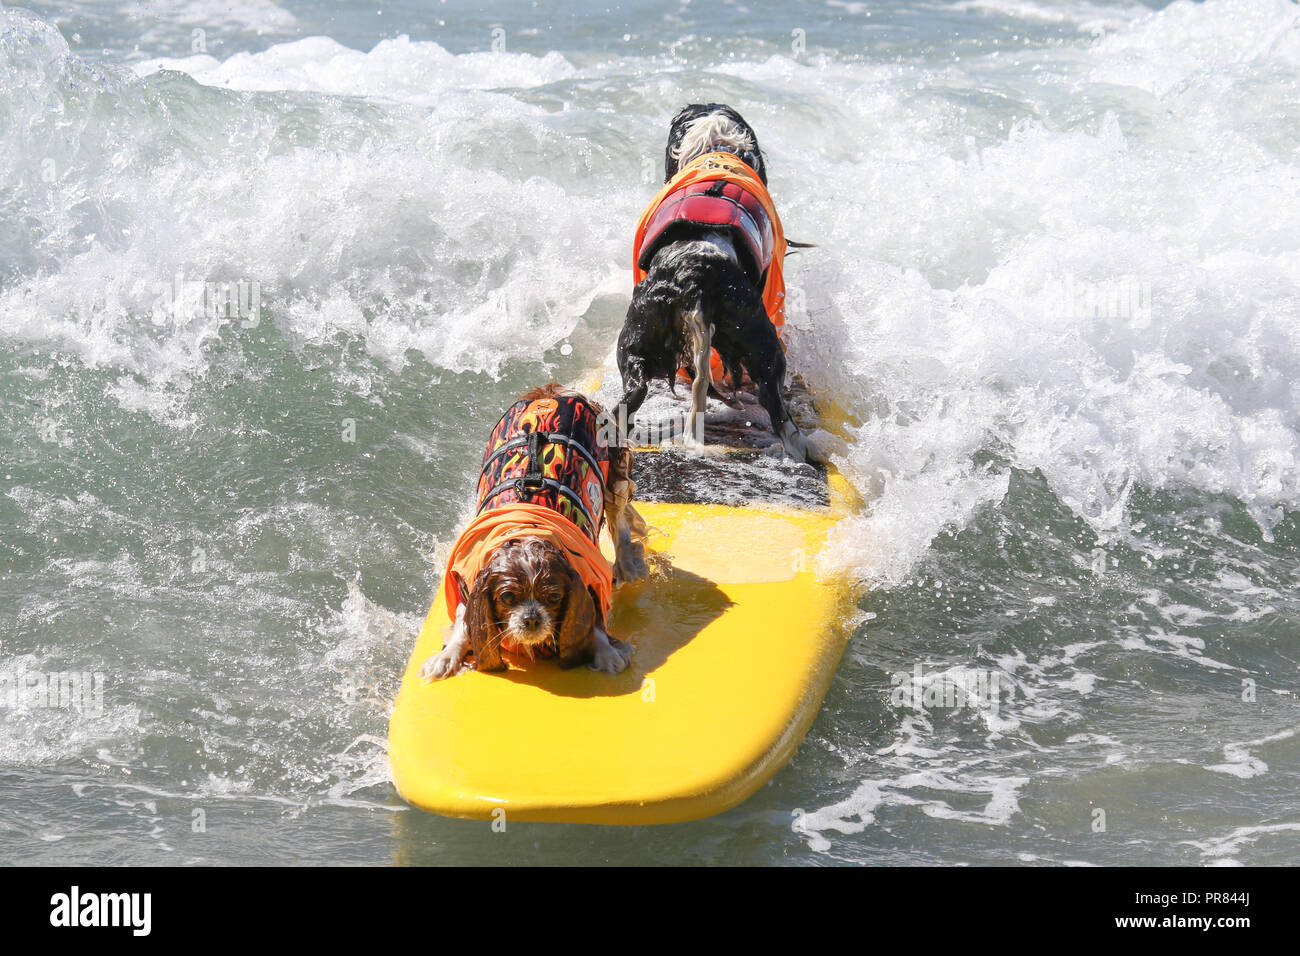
(548, 452)
(718, 204)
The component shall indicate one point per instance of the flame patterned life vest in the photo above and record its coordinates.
(548, 452)
(719, 204)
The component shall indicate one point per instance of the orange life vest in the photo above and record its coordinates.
(548, 451)
(544, 474)
(742, 207)
(719, 204)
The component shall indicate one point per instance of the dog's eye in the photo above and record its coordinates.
(552, 597)
(508, 597)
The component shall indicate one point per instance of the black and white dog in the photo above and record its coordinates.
(704, 281)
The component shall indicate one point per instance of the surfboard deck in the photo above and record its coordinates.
(736, 640)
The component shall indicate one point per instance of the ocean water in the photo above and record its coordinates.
(269, 272)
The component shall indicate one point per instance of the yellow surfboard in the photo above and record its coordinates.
(737, 638)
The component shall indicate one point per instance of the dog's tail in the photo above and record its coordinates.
(699, 340)
(699, 332)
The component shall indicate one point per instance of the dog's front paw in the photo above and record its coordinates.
(630, 564)
(446, 663)
(611, 656)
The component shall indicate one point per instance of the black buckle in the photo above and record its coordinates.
(533, 479)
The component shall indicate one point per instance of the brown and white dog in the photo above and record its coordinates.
(527, 576)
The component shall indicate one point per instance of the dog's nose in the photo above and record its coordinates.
(532, 621)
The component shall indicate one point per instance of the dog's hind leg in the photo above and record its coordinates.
(629, 548)
(792, 438)
(760, 351)
(636, 344)
(627, 529)
(769, 396)
(699, 333)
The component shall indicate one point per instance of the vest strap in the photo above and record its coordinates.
(557, 437)
(525, 484)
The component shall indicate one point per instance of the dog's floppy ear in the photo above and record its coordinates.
(481, 626)
(575, 631)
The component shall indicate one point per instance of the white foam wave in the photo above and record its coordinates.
(1087, 17)
(416, 72)
(1221, 851)
(1239, 761)
(424, 238)
(938, 297)
(859, 811)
